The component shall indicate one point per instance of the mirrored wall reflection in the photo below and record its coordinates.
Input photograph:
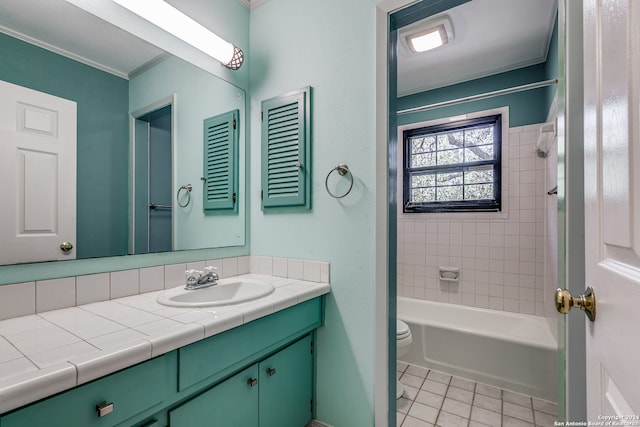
(104, 216)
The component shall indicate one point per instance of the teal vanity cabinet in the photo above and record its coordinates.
(125, 394)
(259, 374)
(276, 392)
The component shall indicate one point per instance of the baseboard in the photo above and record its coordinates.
(316, 423)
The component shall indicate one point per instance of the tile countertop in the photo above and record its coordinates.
(46, 353)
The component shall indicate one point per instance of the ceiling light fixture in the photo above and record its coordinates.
(427, 35)
(170, 19)
(430, 39)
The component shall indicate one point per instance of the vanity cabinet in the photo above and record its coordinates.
(204, 381)
(276, 392)
(125, 394)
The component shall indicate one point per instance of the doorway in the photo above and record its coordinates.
(390, 152)
(153, 201)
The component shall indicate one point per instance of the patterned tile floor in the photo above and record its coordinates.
(433, 398)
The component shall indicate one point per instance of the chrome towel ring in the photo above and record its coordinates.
(342, 170)
(187, 187)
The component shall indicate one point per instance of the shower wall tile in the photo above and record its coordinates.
(501, 259)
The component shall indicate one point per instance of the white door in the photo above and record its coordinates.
(37, 175)
(612, 215)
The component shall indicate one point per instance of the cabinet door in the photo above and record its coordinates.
(286, 383)
(232, 403)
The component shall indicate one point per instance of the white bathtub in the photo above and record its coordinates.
(508, 350)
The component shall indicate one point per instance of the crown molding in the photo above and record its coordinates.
(252, 4)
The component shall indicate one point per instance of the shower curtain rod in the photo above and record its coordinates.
(479, 96)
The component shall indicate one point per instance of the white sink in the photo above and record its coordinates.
(226, 292)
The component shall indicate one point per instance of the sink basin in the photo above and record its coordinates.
(226, 292)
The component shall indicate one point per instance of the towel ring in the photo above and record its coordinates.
(342, 170)
(187, 187)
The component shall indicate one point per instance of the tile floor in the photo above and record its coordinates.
(433, 398)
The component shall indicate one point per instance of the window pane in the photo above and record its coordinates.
(424, 180)
(450, 157)
(447, 141)
(482, 152)
(422, 160)
(478, 176)
(449, 193)
(478, 192)
(419, 195)
(478, 136)
(451, 178)
(423, 144)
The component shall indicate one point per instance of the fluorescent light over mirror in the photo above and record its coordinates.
(170, 19)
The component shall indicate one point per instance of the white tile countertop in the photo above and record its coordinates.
(46, 353)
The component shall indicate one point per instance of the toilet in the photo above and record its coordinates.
(403, 343)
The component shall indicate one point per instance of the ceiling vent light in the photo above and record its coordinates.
(427, 35)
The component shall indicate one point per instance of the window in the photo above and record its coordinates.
(453, 167)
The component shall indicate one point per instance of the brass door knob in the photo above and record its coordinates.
(66, 246)
(586, 302)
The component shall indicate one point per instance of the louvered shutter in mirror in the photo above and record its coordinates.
(286, 151)
(220, 161)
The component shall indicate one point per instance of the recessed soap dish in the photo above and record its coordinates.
(449, 274)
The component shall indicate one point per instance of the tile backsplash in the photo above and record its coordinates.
(501, 259)
(22, 299)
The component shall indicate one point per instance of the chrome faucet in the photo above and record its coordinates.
(197, 279)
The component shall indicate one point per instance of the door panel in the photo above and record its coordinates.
(286, 386)
(231, 403)
(38, 175)
(612, 204)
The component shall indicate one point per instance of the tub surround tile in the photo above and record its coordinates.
(48, 352)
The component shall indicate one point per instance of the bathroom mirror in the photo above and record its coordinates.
(121, 84)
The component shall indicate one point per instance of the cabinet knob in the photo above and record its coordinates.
(252, 381)
(104, 408)
(271, 372)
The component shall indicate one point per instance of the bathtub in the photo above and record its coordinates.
(508, 350)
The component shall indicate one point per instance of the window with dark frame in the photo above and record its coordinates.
(454, 167)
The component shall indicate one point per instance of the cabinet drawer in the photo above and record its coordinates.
(131, 391)
(216, 356)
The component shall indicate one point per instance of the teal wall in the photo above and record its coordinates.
(329, 45)
(527, 107)
(524, 107)
(551, 66)
(103, 138)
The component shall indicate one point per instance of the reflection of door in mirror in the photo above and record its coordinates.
(38, 175)
(153, 211)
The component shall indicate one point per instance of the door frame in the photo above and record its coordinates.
(168, 101)
(570, 194)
